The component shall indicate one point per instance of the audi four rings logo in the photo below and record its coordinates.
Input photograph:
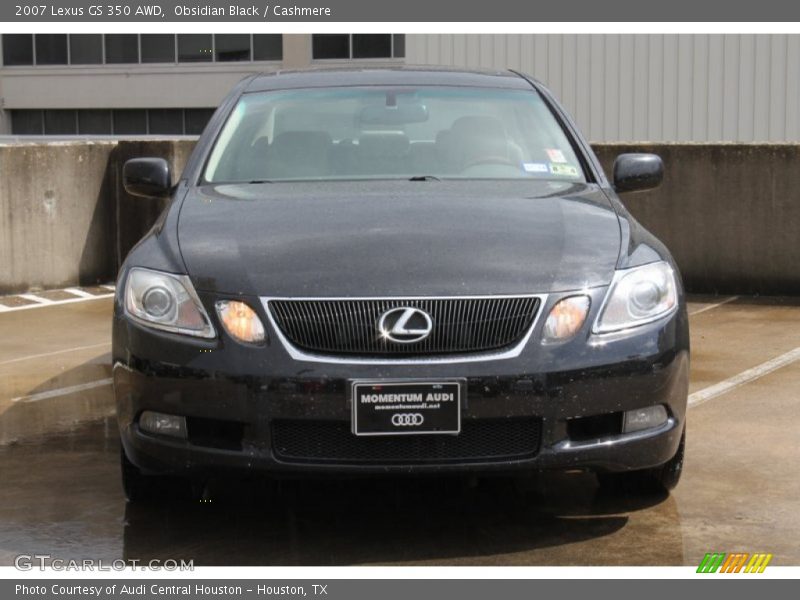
(407, 419)
(405, 325)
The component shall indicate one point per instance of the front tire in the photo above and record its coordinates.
(656, 479)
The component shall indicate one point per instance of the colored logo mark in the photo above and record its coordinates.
(714, 562)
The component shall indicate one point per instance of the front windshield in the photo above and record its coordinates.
(392, 133)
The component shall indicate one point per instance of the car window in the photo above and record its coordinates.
(392, 132)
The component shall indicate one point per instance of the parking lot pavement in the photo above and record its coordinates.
(60, 492)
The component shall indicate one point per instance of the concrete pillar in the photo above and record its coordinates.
(5, 122)
(296, 50)
(5, 116)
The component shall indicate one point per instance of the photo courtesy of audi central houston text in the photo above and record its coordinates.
(397, 271)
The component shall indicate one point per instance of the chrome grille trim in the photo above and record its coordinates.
(300, 354)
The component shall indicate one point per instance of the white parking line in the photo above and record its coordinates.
(32, 356)
(47, 303)
(35, 298)
(747, 376)
(79, 292)
(710, 306)
(63, 391)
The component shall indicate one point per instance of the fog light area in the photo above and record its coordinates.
(162, 424)
(644, 418)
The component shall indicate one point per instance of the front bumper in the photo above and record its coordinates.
(236, 396)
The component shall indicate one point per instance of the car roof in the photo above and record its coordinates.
(401, 75)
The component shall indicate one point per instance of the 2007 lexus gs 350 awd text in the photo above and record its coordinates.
(397, 271)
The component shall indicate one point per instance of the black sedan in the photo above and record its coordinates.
(364, 272)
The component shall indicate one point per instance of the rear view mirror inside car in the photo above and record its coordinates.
(397, 114)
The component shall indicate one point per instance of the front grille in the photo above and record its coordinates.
(351, 326)
(332, 442)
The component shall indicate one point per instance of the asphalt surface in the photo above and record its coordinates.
(60, 491)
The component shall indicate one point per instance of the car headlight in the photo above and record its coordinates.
(167, 302)
(638, 296)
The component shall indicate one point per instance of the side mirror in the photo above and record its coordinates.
(149, 177)
(637, 172)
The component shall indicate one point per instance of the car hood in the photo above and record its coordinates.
(345, 239)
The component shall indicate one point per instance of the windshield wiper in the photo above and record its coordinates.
(259, 181)
(424, 178)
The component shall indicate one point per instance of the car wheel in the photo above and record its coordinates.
(669, 474)
(656, 479)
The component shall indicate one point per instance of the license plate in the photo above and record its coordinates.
(406, 407)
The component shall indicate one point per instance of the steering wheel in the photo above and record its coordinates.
(490, 160)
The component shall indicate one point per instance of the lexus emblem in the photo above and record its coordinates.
(407, 419)
(405, 325)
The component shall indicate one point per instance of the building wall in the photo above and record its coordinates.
(704, 88)
(179, 85)
(648, 87)
(134, 86)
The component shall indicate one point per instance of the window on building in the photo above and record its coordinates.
(85, 49)
(399, 45)
(51, 48)
(195, 47)
(196, 119)
(332, 46)
(231, 47)
(17, 50)
(122, 48)
(165, 121)
(88, 122)
(94, 122)
(27, 122)
(267, 46)
(60, 122)
(372, 46)
(130, 121)
(158, 48)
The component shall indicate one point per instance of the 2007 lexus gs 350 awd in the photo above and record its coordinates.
(397, 271)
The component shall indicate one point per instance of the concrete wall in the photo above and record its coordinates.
(56, 225)
(730, 213)
(64, 217)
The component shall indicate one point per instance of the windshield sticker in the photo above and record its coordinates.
(535, 167)
(565, 170)
(556, 156)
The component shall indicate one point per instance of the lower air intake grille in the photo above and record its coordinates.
(459, 325)
(332, 442)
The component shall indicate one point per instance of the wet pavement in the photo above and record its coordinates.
(60, 491)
